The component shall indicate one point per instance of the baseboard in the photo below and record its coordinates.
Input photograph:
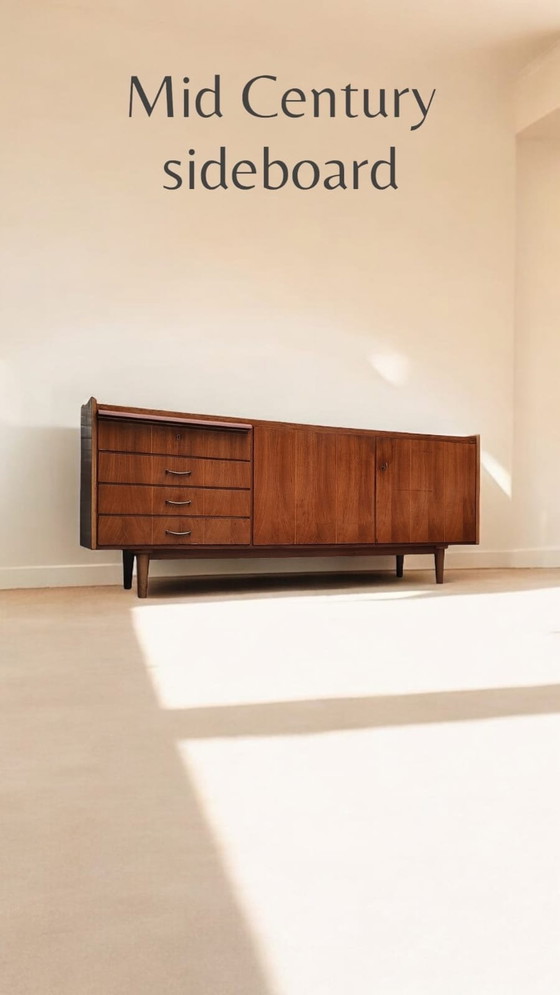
(102, 574)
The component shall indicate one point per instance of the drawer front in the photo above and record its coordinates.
(141, 499)
(179, 471)
(203, 531)
(124, 437)
(200, 442)
(201, 501)
(124, 530)
(127, 437)
(124, 499)
(136, 530)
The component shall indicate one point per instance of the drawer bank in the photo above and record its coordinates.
(162, 484)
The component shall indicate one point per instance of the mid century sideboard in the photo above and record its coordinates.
(158, 484)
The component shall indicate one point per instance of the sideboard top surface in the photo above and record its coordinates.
(225, 422)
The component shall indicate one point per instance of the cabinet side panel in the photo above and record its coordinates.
(355, 487)
(315, 487)
(461, 492)
(274, 512)
(88, 475)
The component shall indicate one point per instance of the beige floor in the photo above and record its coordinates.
(329, 788)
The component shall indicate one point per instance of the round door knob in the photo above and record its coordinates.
(384, 466)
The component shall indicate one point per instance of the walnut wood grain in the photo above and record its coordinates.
(178, 440)
(409, 490)
(180, 471)
(144, 531)
(461, 497)
(355, 488)
(274, 485)
(142, 499)
(315, 486)
(302, 490)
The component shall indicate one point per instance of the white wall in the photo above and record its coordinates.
(391, 310)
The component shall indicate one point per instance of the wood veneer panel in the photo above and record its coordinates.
(124, 530)
(409, 490)
(179, 471)
(204, 501)
(460, 501)
(274, 513)
(141, 499)
(355, 488)
(315, 487)
(122, 437)
(146, 531)
(179, 441)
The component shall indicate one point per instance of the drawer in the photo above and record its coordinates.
(129, 437)
(145, 531)
(121, 468)
(124, 436)
(203, 531)
(210, 502)
(141, 499)
(206, 442)
(124, 530)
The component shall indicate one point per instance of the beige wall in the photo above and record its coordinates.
(537, 423)
(390, 310)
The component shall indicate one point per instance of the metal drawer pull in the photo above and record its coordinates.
(180, 473)
(177, 502)
(168, 532)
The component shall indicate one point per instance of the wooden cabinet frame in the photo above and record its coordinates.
(161, 484)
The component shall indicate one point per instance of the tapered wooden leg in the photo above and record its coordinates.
(127, 563)
(439, 557)
(400, 564)
(142, 568)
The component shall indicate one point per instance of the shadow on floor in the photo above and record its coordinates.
(112, 882)
(420, 584)
(281, 718)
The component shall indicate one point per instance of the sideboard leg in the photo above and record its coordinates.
(142, 568)
(400, 564)
(127, 563)
(439, 557)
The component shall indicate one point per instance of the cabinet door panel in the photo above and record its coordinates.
(274, 486)
(355, 488)
(461, 486)
(426, 491)
(315, 486)
(409, 490)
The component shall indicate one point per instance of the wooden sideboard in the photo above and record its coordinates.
(159, 484)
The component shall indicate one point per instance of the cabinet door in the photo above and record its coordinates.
(425, 491)
(315, 486)
(355, 488)
(409, 479)
(274, 514)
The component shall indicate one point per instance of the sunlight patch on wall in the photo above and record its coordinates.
(497, 471)
(393, 367)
